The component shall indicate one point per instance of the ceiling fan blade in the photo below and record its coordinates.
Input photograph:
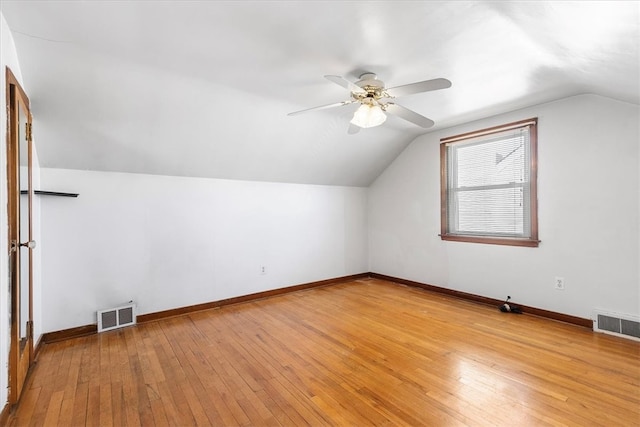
(353, 129)
(339, 80)
(322, 107)
(418, 87)
(412, 116)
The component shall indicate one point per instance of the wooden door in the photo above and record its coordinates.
(21, 244)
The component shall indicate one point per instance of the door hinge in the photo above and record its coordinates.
(28, 131)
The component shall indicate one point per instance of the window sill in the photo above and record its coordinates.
(491, 240)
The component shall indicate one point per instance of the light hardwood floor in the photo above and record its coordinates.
(362, 353)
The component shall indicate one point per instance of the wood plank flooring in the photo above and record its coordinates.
(362, 353)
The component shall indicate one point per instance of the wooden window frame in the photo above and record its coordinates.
(532, 240)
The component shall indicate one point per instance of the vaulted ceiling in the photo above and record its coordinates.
(197, 88)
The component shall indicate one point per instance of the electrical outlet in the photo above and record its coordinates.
(559, 282)
(263, 269)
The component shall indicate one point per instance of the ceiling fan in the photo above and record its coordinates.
(375, 100)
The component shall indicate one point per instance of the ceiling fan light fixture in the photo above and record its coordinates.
(376, 100)
(368, 116)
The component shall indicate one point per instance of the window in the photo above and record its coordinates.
(488, 180)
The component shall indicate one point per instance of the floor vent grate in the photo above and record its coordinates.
(623, 325)
(117, 317)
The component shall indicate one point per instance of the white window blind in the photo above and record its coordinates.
(488, 185)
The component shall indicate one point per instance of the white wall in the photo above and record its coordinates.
(588, 194)
(168, 242)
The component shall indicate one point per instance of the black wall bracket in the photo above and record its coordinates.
(51, 193)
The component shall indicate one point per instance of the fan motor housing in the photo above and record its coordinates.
(370, 79)
(370, 83)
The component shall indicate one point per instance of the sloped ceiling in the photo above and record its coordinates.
(203, 88)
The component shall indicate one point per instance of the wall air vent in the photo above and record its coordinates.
(622, 325)
(118, 317)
